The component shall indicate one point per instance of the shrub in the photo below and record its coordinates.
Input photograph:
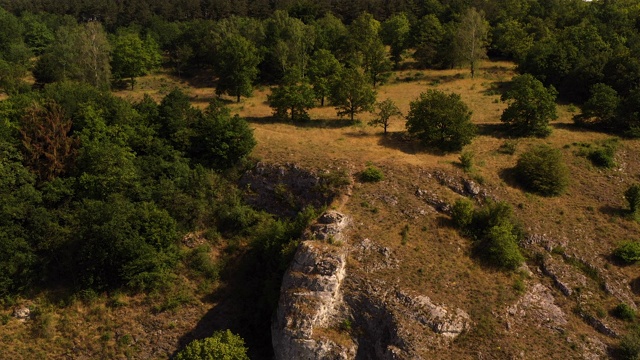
(222, 345)
(633, 197)
(602, 157)
(542, 170)
(629, 252)
(500, 247)
(531, 107)
(508, 147)
(624, 312)
(371, 174)
(466, 161)
(462, 213)
(630, 345)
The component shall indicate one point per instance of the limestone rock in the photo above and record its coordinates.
(22, 313)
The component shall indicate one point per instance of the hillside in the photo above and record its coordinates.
(555, 307)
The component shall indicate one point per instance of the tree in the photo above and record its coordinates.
(386, 110)
(291, 100)
(133, 57)
(289, 44)
(511, 38)
(352, 94)
(221, 141)
(222, 345)
(236, 66)
(47, 143)
(323, 69)
(542, 170)
(427, 36)
(367, 49)
(531, 107)
(601, 109)
(441, 120)
(472, 38)
(395, 33)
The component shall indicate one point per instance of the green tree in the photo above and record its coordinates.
(352, 93)
(427, 37)
(395, 33)
(133, 56)
(323, 69)
(441, 120)
(289, 43)
(222, 345)
(601, 109)
(542, 170)
(236, 66)
(367, 49)
(386, 110)
(221, 141)
(511, 38)
(531, 107)
(472, 38)
(291, 100)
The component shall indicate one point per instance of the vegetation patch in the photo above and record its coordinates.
(542, 170)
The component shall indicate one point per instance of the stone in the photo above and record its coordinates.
(471, 187)
(22, 313)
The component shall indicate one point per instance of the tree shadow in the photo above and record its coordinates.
(508, 175)
(239, 306)
(496, 130)
(613, 211)
(497, 88)
(403, 142)
(314, 123)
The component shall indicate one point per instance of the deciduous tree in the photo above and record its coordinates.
(352, 93)
(441, 120)
(133, 57)
(386, 110)
(472, 38)
(531, 107)
(236, 66)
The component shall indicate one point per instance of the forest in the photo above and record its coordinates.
(99, 191)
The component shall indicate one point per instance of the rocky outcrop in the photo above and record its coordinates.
(310, 297)
(538, 307)
(284, 189)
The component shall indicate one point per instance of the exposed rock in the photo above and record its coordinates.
(310, 299)
(470, 187)
(564, 276)
(284, 189)
(536, 306)
(22, 313)
(373, 257)
(434, 201)
(599, 325)
(330, 226)
(396, 324)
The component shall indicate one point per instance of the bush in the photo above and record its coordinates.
(603, 156)
(541, 170)
(371, 174)
(500, 247)
(624, 312)
(633, 197)
(531, 107)
(222, 345)
(462, 213)
(629, 252)
(630, 345)
(466, 161)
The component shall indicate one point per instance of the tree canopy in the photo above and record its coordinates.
(441, 120)
(531, 107)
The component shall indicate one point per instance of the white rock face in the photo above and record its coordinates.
(310, 297)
